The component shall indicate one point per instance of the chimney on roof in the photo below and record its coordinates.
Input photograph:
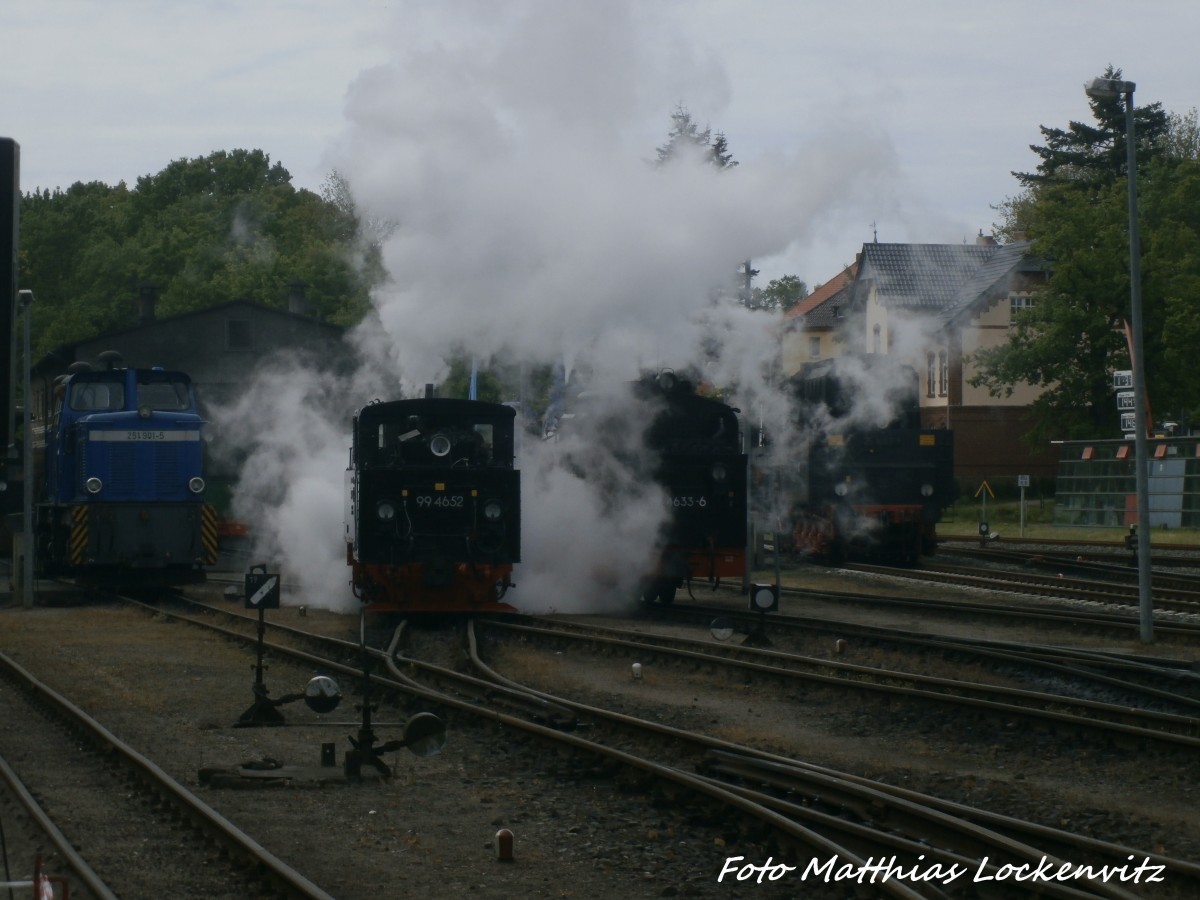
(985, 240)
(297, 302)
(147, 297)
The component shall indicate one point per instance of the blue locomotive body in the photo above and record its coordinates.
(121, 477)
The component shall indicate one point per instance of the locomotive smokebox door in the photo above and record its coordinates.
(262, 589)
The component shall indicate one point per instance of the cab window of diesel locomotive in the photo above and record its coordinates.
(165, 395)
(93, 396)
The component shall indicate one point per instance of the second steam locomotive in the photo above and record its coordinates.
(696, 450)
(875, 483)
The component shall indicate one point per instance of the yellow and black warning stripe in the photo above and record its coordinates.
(79, 535)
(208, 532)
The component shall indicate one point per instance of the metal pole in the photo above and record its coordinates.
(27, 454)
(1141, 454)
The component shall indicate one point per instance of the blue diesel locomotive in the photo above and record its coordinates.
(118, 463)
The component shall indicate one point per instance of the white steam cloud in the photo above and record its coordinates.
(507, 142)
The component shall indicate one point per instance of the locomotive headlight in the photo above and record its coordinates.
(93, 485)
(927, 490)
(841, 489)
(718, 472)
(492, 510)
(439, 445)
(196, 485)
(386, 510)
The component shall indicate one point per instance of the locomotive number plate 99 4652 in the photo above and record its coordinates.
(445, 501)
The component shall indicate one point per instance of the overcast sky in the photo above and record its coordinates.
(908, 117)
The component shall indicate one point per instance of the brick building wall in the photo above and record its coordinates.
(989, 444)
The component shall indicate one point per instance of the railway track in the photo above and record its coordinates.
(1139, 678)
(1182, 555)
(35, 847)
(1002, 704)
(1094, 567)
(179, 846)
(1080, 616)
(837, 817)
(871, 819)
(1086, 589)
(758, 804)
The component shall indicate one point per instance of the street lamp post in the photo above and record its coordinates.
(1106, 88)
(27, 545)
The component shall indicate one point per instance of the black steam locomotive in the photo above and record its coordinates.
(433, 506)
(875, 483)
(695, 445)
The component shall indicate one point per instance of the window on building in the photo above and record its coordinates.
(877, 340)
(1018, 302)
(814, 347)
(237, 334)
(943, 373)
(930, 374)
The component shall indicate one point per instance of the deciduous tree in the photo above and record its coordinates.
(205, 231)
(1075, 210)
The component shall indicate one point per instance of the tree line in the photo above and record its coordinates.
(232, 226)
(228, 226)
(205, 231)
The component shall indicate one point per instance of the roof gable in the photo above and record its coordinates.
(822, 306)
(936, 277)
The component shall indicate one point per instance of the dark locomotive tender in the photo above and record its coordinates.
(118, 466)
(698, 458)
(873, 489)
(433, 517)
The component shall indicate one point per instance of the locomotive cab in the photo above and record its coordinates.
(696, 444)
(875, 482)
(433, 505)
(121, 483)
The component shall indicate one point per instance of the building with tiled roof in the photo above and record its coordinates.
(810, 328)
(935, 305)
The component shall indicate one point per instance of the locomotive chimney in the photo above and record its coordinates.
(297, 302)
(147, 297)
(428, 391)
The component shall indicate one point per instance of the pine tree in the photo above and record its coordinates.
(686, 136)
